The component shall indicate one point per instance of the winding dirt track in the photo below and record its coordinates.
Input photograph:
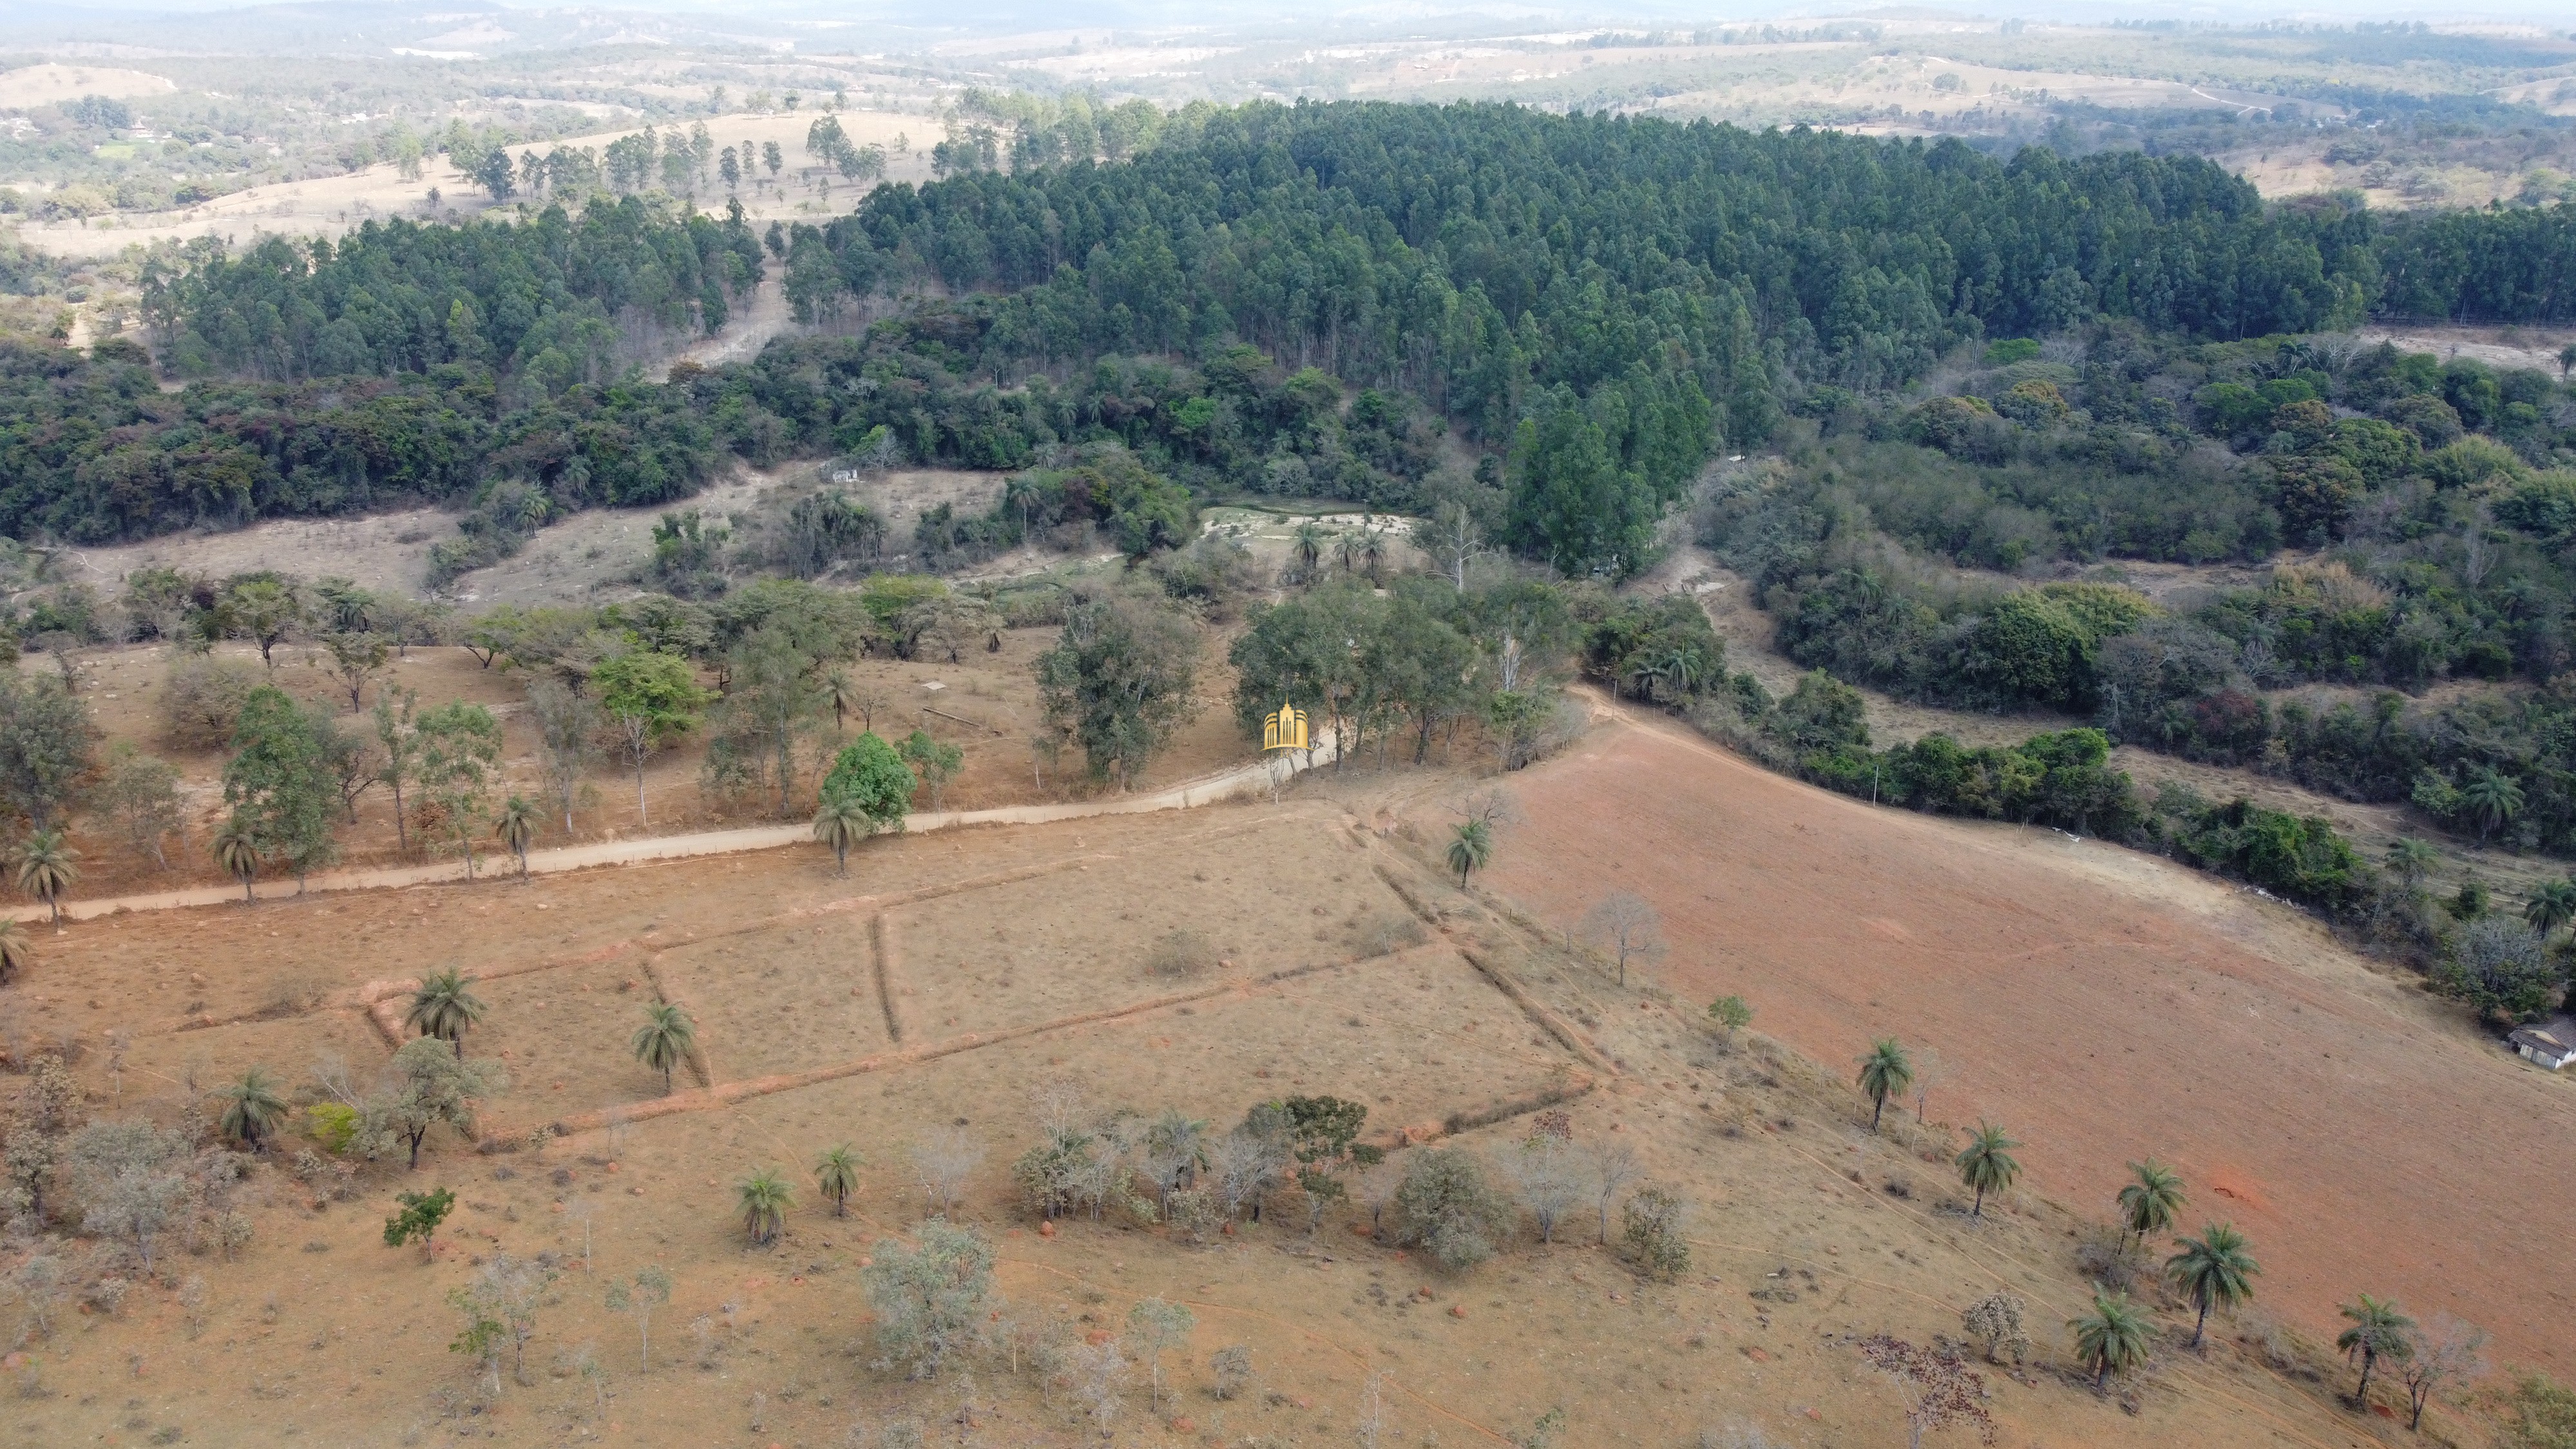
(2102, 1005)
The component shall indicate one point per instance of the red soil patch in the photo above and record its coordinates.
(2103, 1006)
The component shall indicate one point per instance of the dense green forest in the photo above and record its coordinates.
(1597, 303)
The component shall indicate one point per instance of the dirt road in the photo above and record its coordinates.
(1205, 790)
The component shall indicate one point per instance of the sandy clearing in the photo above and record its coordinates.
(53, 83)
(2104, 1005)
(330, 205)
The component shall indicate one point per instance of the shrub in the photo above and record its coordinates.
(1650, 1234)
(201, 699)
(1183, 953)
(1996, 1321)
(1446, 1206)
(929, 1300)
(2500, 965)
(1231, 1372)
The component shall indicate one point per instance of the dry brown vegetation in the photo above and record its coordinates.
(956, 979)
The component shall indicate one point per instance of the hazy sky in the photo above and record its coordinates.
(28, 21)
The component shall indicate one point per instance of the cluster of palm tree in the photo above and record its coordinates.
(1986, 1164)
(764, 1197)
(1669, 673)
(2212, 1271)
(444, 1006)
(1358, 551)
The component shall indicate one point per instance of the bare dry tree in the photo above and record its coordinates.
(1930, 1070)
(1614, 1166)
(2446, 1351)
(941, 1162)
(1626, 926)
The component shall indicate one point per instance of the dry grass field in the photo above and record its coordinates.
(942, 983)
(2105, 1006)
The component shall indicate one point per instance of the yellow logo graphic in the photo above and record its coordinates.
(1285, 730)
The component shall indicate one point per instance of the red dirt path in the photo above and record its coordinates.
(2103, 1006)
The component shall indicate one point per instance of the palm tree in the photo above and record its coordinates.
(444, 1006)
(518, 826)
(16, 954)
(2111, 1339)
(1986, 1164)
(2213, 1271)
(1021, 496)
(252, 1108)
(1885, 1072)
(1469, 848)
(2551, 906)
(2378, 1331)
(836, 1176)
(1309, 547)
(237, 852)
(2492, 799)
(2410, 860)
(1346, 551)
(764, 1200)
(840, 824)
(842, 695)
(665, 1039)
(1680, 667)
(47, 868)
(2147, 1204)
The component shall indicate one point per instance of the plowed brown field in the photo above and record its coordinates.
(2102, 1005)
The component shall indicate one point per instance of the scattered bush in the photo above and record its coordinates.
(1180, 955)
(1651, 1225)
(202, 697)
(929, 1300)
(1445, 1205)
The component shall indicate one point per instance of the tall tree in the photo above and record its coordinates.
(567, 740)
(652, 698)
(356, 657)
(264, 609)
(771, 705)
(460, 754)
(280, 783)
(2552, 905)
(398, 742)
(1120, 679)
(252, 1108)
(46, 745)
